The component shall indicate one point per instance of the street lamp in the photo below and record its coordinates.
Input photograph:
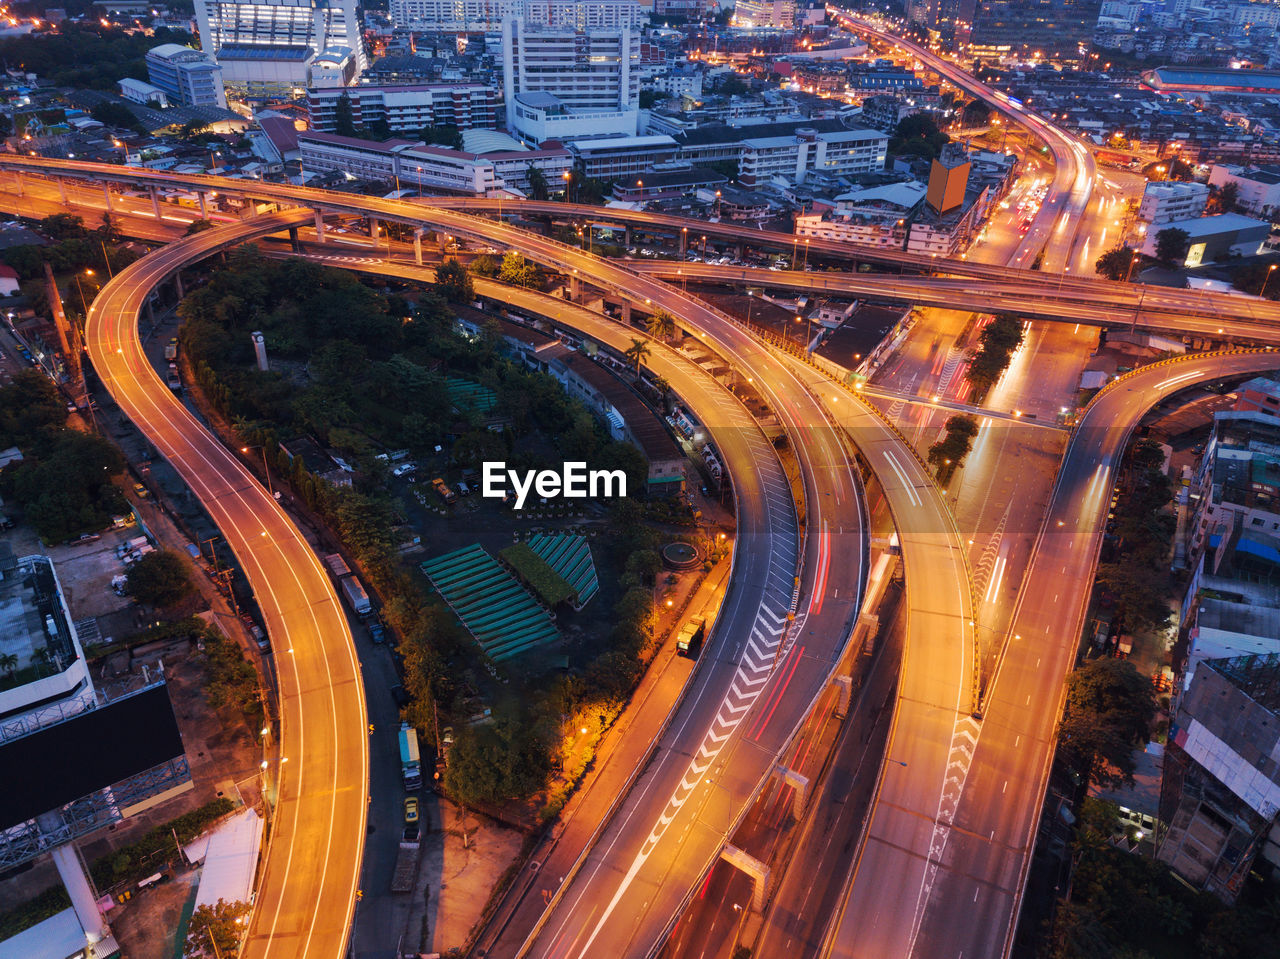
(265, 467)
(1133, 262)
(83, 304)
(1267, 279)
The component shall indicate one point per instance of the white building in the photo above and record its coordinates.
(1258, 188)
(267, 46)
(614, 158)
(776, 14)
(792, 158)
(495, 162)
(681, 81)
(405, 108)
(36, 629)
(141, 92)
(560, 82)
(187, 76)
(878, 216)
(481, 16)
(1172, 200)
(1214, 237)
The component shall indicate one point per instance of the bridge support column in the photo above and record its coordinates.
(62, 190)
(754, 868)
(17, 183)
(575, 289)
(373, 231)
(799, 788)
(417, 247)
(155, 203)
(293, 239)
(319, 226)
(204, 211)
(626, 236)
(177, 285)
(684, 241)
(626, 312)
(76, 881)
(106, 194)
(844, 690)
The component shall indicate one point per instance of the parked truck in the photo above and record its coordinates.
(337, 566)
(356, 596)
(442, 488)
(406, 871)
(410, 762)
(171, 349)
(689, 640)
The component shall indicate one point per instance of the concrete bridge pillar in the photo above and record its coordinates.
(293, 239)
(626, 312)
(575, 289)
(684, 241)
(373, 230)
(319, 226)
(18, 184)
(177, 285)
(204, 211)
(155, 203)
(62, 190)
(106, 194)
(844, 690)
(626, 236)
(799, 789)
(754, 868)
(417, 246)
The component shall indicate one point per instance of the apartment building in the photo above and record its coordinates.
(561, 82)
(406, 108)
(487, 16)
(795, 157)
(1164, 202)
(187, 76)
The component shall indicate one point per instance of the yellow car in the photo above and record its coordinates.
(411, 809)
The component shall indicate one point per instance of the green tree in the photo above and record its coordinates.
(485, 265)
(917, 135)
(160, 579)
(216, 930)
(539, 189)
(508, 759)
(344, 124)
(1172, 244)
(1115, 264)
(193, 129)
(1224, 199)
(198, 226)
(975, 114)
(661, 325)
(453, 282)
(517, 271)
(637, 353)
(1110, 706)
(948, 453)
(996, 344)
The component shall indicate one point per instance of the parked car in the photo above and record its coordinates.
(411, 809)
(378, 632)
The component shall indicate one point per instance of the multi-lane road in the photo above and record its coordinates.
(306, 893)
(664, 837)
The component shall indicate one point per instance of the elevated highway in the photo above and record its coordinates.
(1032, 296)
(307, 891)
(980, 873)
(690, 793)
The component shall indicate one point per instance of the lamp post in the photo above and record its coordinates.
(83, 304)
(1267, 279)
(1133, 262)
(808, 332)
(265, 467)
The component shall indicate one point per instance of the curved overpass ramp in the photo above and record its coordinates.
(307, 888)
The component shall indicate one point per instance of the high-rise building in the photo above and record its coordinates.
(488, 15)
(1020, 29)
(776, 14)
(267, 46)
(188, 77)
(561, 83)
(405, 108)
(948, 179)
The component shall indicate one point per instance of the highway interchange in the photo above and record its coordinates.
(925, 880)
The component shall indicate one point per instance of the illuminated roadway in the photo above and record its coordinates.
(678, 815)
(306, 892)
(981, 871)
(575, 936)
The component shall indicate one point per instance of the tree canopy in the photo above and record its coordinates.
(1110, 706)
(1116, 264)
(1172, 244)
(160, 579)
